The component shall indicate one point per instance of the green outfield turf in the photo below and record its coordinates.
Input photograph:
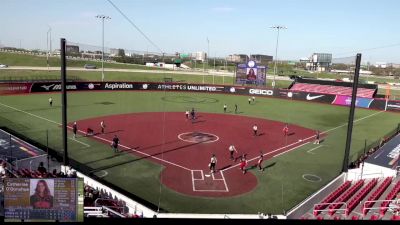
(24, 75)
(280, 187)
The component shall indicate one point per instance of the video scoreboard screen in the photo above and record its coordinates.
(55, 199)
(251, 73)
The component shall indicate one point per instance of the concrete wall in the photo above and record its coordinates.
(317, 197)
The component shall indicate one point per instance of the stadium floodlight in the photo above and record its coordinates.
(276, 48)
(48, 49)
(102, 17)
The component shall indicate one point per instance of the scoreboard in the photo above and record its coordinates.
(55, 199)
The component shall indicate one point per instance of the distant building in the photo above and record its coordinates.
(72, 49)
(91, 55)
(199, 56)
(237, 58)
(381, 65)
(319, 62)
(395, 65)
(117, 52)
(262, 59)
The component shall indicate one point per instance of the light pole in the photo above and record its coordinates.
(276, 49)
(208, 53)
(102, 17)
(48, 49)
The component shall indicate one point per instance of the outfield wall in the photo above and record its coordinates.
(43, 87)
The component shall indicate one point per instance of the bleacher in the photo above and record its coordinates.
(364, 199)
(333, 90)
(333, 87)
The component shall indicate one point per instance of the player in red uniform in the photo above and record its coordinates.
(285, 130)
(243, 164)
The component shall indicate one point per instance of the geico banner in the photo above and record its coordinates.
(265, 92)
(14, 88)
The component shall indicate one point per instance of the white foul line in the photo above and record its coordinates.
(223, 177)
(79, 142)
(183, 166)
(192, 180)
(310, 151)
(357, 120)
(51, 121)
(306, 139)
(134, 150)
(290, 149)
(98, 137)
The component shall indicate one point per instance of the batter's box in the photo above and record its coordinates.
(197, 175)
(214, 183)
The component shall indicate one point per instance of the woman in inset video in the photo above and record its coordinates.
(42, 199)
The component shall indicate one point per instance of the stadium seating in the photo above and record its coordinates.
(331, 89)
(361, 195)
(331, 197)
(355, 218)
(345, 196)
(390, 196)
(394, 217)
(374, 217)
(377, 194)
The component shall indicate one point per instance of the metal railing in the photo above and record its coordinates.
(331, 203)
(389, 207)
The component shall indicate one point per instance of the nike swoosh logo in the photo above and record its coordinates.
(313, 97)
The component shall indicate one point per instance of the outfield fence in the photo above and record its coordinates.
(374, 145)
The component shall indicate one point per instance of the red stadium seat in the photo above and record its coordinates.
(355, 218)
(394, 217)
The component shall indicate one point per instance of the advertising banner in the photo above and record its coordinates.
(14, 88)
(346, 100)
(393, 106)
(388, 155)
(379, 104)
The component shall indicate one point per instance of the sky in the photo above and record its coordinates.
(340, 27)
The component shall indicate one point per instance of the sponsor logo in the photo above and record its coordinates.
(118, 86)
(261, 92)
(91, 86)
(309, 97)
(394, 154)
(201, 88)
(198, 137)
(47, 87)
(171, 87)
(394, 106)
(232, 90)
(57, 87)
(348, 101)
(145, 86)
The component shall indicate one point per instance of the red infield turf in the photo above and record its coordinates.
(164, 138)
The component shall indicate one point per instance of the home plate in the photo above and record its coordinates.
(207, 175)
